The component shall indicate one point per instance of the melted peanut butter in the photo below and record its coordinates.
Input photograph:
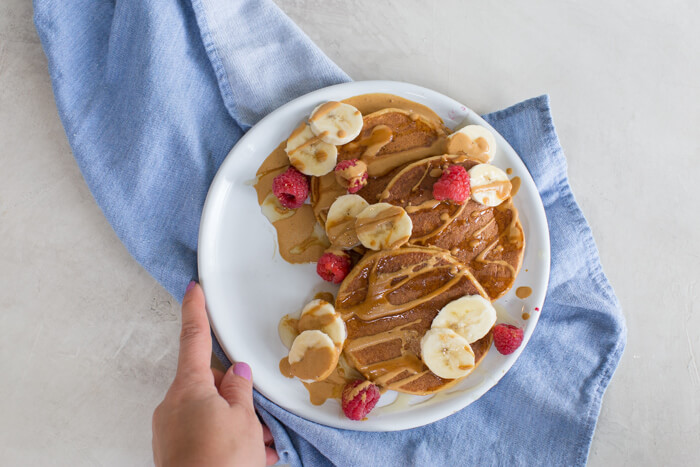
(323, 110)
(526, 316)
(341, 232)
(459, 143)
(377, 302)
(523, 292)
(501, 189)
(509, 171)
(383, 148)
(311, 320)
(384, 220)
(325, 296)
(425, 205)
(273, 210)
(298, 239)
(316, 363)
(329, 388)
(370, 103)
(380, 136)
(515, 183)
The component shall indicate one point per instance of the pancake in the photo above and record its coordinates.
(389, 301)
(390, 138)
(489, 240)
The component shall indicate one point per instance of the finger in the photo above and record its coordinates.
(237, 385)
(271, 457)
(218, 376)
(195, 337)
(267, 436)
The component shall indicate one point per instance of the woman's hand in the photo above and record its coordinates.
(207, 418)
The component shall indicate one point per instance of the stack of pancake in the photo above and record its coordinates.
(391, 297)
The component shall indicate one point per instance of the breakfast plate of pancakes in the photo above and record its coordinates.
(252, 278)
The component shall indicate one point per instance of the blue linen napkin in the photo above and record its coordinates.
(154, 93)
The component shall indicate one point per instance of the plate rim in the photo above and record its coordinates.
(400, 88)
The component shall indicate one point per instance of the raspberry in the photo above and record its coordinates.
(291, 188)
(333, 267)
(358, 400)
(507, 338)
(351, 174)
(453, 185)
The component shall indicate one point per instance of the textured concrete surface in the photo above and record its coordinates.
(88, 340)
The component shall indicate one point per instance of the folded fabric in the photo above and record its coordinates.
(153, 94)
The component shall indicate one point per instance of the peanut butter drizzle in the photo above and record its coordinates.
(273, 210)
(325, 296)
(459, 143)
(382, 373)
(298, 241)
(285, 368)
(425, 205)
(380, 136)
(324, 109)
(341, 232)
(446, 221)
(329, 388)
(523, 292)
(312, 321)
(332, 386)
(377, 305)
(317, 363)
(420, 180)
(370, 103)
(316, 240)
(511, 232)
(381, 158)
(509, 171)
(310, 142)
(386, 218)
(526, 316)
(515, 183)
(502, 189)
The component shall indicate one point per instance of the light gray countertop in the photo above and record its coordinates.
(89, 340)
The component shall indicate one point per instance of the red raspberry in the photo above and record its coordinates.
(507, 338)
(291, 188)
(333, 267)
(351, 174)
(359, 401)
(453, 185)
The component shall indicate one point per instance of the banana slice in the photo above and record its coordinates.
(321, 315)
(473, 140)
(446, 353)
(340, 221)
(471, 316)
(490, 185)
(383, 226)
(313, 356)
(335, 122)
(309, 154)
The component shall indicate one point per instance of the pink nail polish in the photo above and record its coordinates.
(189, 286)
(243, 370)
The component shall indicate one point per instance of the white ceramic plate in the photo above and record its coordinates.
(249, 287)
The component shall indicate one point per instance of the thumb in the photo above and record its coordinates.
(237, 385)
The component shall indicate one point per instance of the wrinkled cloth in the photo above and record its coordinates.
(154, 93)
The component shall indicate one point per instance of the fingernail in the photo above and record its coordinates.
(243, 370)
(189, 286)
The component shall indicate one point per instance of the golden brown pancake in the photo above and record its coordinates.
(389, 301)
(390, 138)
(489, 240)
